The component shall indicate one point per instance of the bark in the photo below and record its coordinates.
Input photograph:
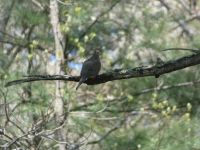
(58, 102)
(144, 71)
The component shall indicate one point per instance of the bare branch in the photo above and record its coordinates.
(180, 23)
(108, 133)
(156, 70)
(184, 49)
(98, 17)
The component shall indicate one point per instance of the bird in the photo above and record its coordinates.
(90, 68)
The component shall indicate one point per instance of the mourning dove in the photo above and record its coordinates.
(90, 68)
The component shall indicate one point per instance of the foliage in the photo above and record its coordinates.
(116, 115)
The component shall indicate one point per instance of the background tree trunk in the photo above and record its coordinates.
(58, 102)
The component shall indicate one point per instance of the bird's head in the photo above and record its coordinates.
(96, 53)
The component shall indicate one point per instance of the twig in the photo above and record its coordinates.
(64, 3)
(108, 133)
(182, 24)
(167, 87)
(38, 4)
(184, 49)
(98, 17)
(15, 140)
(13, 43)
(9, 35)
(7, 116)
(5, 104)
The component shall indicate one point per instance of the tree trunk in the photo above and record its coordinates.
(58, 102)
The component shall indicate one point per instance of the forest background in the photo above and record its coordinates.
(48, 37)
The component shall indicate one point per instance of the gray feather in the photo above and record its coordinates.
(90, 68)
(80, 82)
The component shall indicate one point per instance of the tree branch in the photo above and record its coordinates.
(117, 126)
(182, 49)
(144, 71)
(98, 17)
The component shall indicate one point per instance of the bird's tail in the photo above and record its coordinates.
(80, 82)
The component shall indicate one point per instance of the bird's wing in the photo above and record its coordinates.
(90, 69)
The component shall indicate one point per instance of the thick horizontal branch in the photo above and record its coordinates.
(156, 70)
